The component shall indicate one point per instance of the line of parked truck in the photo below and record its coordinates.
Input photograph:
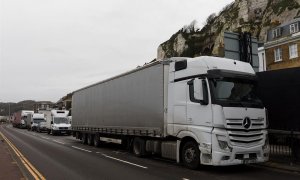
(196, 111)
(51, 121)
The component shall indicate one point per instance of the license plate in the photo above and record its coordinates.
(249, 161)
(63, 131)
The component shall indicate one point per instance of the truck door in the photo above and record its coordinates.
(179, 106)
(199, 112)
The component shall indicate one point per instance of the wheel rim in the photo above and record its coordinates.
(190, 154)
(83, 138)
(89, 139)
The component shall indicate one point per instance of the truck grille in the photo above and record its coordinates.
(240, 136)
(62, 128)
(238, 124)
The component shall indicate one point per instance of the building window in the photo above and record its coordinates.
(276, 33)
(278, 54)
(293, 51)
(294, 28)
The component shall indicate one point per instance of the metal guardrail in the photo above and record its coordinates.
(284, 146)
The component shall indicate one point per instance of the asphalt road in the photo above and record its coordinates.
(64, 157)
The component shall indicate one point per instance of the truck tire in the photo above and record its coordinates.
(90, 139)
(190, 155)
(48, 131)
(138, 147)
(84, 138)
(97, 140)
(53, 133)
(77, 135)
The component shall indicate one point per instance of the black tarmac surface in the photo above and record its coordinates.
(64, 157)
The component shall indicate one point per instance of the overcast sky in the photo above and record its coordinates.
(52, 47)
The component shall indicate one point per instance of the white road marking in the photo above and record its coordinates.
(58, 142)
(81, 149)
(124, 161)
(44, 137)
(185, 179)
(97, 152)
(119, 152)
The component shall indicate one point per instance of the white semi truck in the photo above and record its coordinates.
(57, 122)
(194, 110)
(33, 120)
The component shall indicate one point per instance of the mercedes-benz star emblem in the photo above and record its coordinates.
(247, 123)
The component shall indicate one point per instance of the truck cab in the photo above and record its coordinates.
(59, 122)
(33, 120)
(213, 105)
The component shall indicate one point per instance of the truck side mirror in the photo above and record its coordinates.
(203, 100)
(31, 122)
(51, 122)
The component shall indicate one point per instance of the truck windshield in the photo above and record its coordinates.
(235, 92)
(60, 120)
(38, 120)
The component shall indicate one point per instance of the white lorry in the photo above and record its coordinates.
(194, 110)
(33, 120)
(57, 122)
(19, 118)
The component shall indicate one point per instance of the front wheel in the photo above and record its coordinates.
(190, 155)
(53, 132)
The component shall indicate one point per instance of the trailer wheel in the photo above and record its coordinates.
(90, 139)
(84, 138)
(190, 155)
(97, 140)
(77, 135)
(139, 147)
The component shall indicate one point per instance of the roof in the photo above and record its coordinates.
(289, 22)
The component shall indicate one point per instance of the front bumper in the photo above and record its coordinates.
(247, 153)
(62, 131)
(22, 126)
(240, 155)
(44, 129)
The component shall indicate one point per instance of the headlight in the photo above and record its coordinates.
(266, 145)
(223, 144)
(54, 127)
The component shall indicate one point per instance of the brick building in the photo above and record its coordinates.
(283, 46)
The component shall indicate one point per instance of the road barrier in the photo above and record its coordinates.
(284, 146)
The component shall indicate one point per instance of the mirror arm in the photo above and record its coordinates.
(205, 93)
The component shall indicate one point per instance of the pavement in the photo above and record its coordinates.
(64, 157)
(9, 168)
